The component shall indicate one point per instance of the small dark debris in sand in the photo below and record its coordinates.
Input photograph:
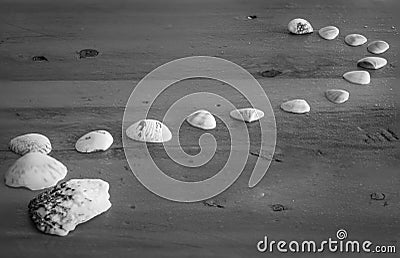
(17, 114)
(218, 105)
(132, 206)
(271, 73)
(319, 153)
(126, 168)
(385, 204)
(278, 207)
(213, 203)
(377, 196)
(252, 17)
(277, 157)
(145, 102)
(84, 53)
(39, 59)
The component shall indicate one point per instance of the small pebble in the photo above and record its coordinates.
(84, 53)
(39, 58)
(252, 17)
(377, 196)
(329, 32)
(355, 40)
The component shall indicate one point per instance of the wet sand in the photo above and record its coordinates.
(326, 165)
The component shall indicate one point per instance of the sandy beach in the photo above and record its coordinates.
(327, 162)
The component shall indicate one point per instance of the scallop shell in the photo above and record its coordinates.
(149, 130)
(337, 96)
(372, 62)
(298, 106)
(357, 77)
(378, 47)
(59, 210)
(300, 26)
(355, 40)
(329, 32)
(35, 171)
(247, 114)
(99, 140)
(202, 119)
(31, 142)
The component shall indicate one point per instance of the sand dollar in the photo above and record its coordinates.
(202, 119)
(149, 130)
(297, 106)
(247, 114)
(35, 171)
(300, 26)
(59, 210)
(99, 140)
(31, 142)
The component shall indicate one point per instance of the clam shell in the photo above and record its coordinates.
(372, 62)
(99, 140)
(298, 106)
(59, 210)
(202, 119)
(337, 96)
(329, 32)
(31, 142)
(355, 40)
(35, 171)
(247, 114)
(300, 26)
(357, 77)
(149, 130)
(378, 47)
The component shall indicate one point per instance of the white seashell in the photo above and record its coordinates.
(59, 210)
(298, 106)
(355, 40)
(372, 62)
(378, 47)
(357, 77)
(337, 96)
(329, 32)
(35, 171)
(202, 119)
(99, 140)
(300, 26)
(149, 130)
(247, 114)
(30, 142)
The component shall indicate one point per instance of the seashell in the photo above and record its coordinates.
(202, 119)
(378, 47)
(298, 106)
(300, 26)
(329, 32)
(337, 96)
(355, 40)
(372, 62)
(99, 140)
(59, 210)
(247, 114)
(31, 142)
(149, 130)
(357, 77)
(35, 171)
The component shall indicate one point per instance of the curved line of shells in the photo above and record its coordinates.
(301, 26)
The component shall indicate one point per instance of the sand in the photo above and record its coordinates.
(326, 165)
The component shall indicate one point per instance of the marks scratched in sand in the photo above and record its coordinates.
(381, 136)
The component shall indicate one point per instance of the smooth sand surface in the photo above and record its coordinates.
(326, 163)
